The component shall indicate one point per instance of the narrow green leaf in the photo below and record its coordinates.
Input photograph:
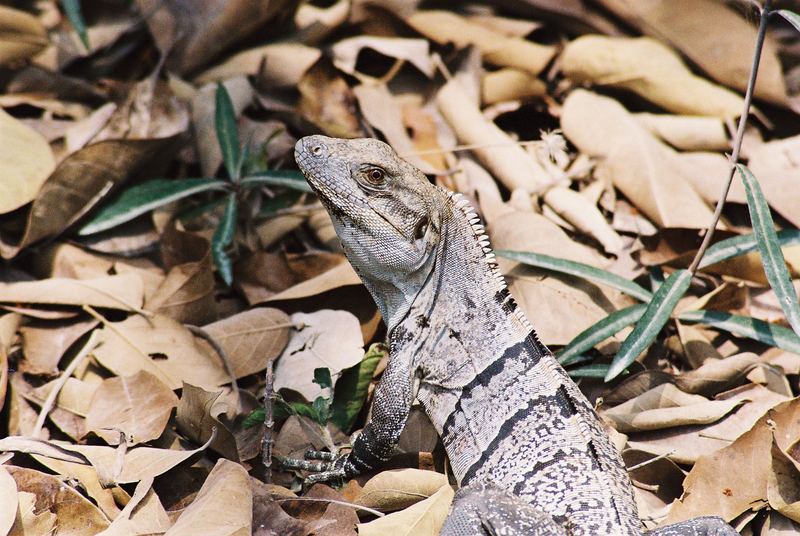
(255, 418)
(352, 386)
(72, 8)
(307, 410)
(744, 244)
(223, 237)
(321, 405)
(144, 197)
(278, 177)
(280, 201)
(591, 371)
(792, 17)
(653, 319)
(769, 248)
(227, 136)
(746, 326)
(578, 269)
(600, 331)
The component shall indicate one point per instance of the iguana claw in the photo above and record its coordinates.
(331, 466)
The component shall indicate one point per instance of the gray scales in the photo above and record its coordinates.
(526, 447)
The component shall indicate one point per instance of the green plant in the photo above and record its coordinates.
(650, 318)
(243, 176)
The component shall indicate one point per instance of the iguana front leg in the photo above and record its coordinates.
(375, 445)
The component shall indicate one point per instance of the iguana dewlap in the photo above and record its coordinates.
(524, 443)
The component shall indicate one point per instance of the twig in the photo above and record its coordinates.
(206, 336)
(737, 145)
(470, 147)
(651, 460)
(334, 501)
(50, 401)
(269, 423)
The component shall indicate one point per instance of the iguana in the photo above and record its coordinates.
(525, 445)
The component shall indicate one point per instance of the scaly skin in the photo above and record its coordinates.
(521, 437)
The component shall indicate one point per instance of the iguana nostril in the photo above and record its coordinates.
(316, 150)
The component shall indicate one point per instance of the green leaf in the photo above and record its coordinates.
(746, 326)
(144, 197)
(72, 8)
(280, 201)
(255, 418)
(307, 410)
(741, 245)
(278, 177)
(600, 331)
(769, 248)
(653, 319)
(578, 269)
(322, 377)
(351, 388)
(223, 237)
(321, 406)
(591, 371)
(792, 17)
(227, 136)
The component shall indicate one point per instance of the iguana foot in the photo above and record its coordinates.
(330, 468)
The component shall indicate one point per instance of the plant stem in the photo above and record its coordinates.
(737, 144)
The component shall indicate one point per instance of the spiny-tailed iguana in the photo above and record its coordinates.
(525, 445)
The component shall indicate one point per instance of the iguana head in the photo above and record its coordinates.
(387, 214)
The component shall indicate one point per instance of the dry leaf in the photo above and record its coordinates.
(27, 160)
(396, 490)
(713, 36)
(649, 69)
(123, 292)
(688, 132)
(143, 514)
(162, 347)
(775, 165)
(138, 406)
(9, 501)
(30, 520)
(278, 65)
(324, 339)
(21, 35)
(497, 49)
(199, 414)
(639, 165)
(422, 519)
(414, 51)
(223, 507)
(510, 84)
(251, 338)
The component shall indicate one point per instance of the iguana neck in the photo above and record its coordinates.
(464, 297)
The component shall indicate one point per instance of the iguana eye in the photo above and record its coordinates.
(421, 228)
(376, 176)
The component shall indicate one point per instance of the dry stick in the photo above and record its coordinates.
(269, 423)
(737, 146)
(62, 380)
(226, 363)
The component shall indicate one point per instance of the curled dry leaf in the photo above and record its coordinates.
(162, 347)
(649, 69)
(713, 36)
(139, 406)
(79, 182)
(414, 51)
(510, 84)
(122, 292)
(9, 501)
(30, 520)
(395, 490)
(424, 518)
(76, 515)
(223, 507)
(323, 339)
(639, 165)
(27, 161)
(251, 338)
(199, 413)
(144, 514)
(666, 406)
(21, 35)
(688, 132)
(278, 65)
(496, 48)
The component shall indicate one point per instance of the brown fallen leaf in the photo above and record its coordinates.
(21, 35)
(251, 338)
(223, 507)
(30, 520)
(278, 65)
(121, 292)
(139, 406)
(27, 161)
(713, 36)
(327, 101)
(497, 49)
(775, 165)
(688, 132)
(144, 514)
(424, 518)
(398, 489)
(9, 324)
(44, 343)
(651, 70)
(638, 164)
(9, 501)
(76, 516)
(162, 347)
(199, 414)
(415, 51)
(323, 339)
(510, 84)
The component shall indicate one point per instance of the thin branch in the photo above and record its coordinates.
(651, 460)
(334, 501)
(50, 401)
(269, 424)
(737, 145)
